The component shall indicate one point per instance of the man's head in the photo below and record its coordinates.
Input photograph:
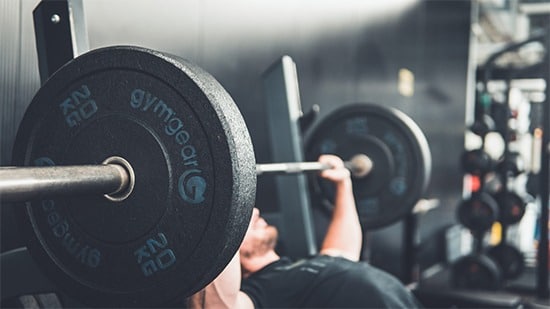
(260, 237)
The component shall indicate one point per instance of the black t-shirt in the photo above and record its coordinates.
(325, 281)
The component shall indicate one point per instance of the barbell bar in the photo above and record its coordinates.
(29, 183)
(359, 165)
(116, 180)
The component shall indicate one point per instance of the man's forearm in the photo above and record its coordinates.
(344, 235)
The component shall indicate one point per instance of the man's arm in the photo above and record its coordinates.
(344, 236)
(224, 291)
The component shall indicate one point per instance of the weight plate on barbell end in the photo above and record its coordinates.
(399, 152)
(194, 170)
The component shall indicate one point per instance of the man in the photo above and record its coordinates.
(258, 277)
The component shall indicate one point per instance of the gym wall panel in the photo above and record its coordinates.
(18, 82)
(18, 69)
(9, 72)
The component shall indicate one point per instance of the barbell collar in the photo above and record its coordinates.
(31, 183)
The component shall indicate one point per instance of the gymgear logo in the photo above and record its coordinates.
(192, 186)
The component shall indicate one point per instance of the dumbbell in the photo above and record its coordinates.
(488, 270)
(509, 259)
(511, 207)
(476, 272)
(478, 212)
(476, 162)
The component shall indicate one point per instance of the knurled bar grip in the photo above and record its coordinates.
(29, 183)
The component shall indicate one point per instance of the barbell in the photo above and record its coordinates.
(115, 178)
(18, 184)
(136, 175)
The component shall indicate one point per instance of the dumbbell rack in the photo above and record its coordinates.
(542, 286)
(542, 289)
